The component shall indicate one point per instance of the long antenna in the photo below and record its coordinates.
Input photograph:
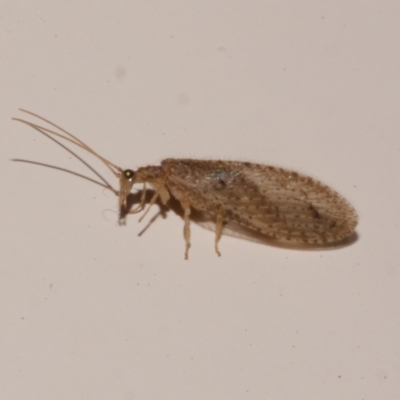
(71, 138)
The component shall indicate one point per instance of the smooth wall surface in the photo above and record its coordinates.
(90, 309)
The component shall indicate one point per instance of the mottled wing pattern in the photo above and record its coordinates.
(273, 201)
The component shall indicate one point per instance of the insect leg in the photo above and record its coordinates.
(161, 192)
(140, 207)
(186, 209)
(152, 201)
(218, 230)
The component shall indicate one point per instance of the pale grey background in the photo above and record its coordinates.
(89, 310)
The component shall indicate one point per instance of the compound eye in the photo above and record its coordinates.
(128, 174)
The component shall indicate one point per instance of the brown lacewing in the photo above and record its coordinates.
(273, 202)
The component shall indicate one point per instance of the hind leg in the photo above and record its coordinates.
(218, 229)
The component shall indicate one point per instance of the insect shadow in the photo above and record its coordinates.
(207, 221)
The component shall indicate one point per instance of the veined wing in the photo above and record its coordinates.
(273, 201)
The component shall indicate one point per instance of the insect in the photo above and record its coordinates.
(275, 202)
